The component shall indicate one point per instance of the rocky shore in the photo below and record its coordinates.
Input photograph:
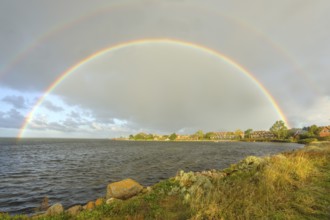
(121, 190)
(290, 185)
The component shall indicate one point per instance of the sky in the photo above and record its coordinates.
(166, 66)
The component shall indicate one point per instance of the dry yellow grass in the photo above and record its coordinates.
(292, 185)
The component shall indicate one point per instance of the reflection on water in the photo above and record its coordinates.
(76, 171)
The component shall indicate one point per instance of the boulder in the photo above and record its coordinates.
(99, 201)
(123, 189)
(74, 210)
(55, 209)
(90, 205)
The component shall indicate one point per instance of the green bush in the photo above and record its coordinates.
(324, 138)
(307, 140)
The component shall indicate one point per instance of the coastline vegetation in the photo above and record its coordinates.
(290, 185)
(278, 132)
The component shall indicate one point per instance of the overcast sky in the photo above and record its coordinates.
(160, 87)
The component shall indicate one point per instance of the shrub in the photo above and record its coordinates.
(307, 140)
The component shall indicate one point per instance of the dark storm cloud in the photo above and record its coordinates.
(17, 102)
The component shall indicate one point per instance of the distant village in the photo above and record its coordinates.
(278, 132)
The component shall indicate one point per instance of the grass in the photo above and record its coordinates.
(292, 185)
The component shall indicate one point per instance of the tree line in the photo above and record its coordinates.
(277, 132)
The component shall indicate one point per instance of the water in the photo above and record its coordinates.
(77, 171)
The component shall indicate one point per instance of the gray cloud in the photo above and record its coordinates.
(11, 119)
(75, 115)
(317, 113)
(17, 102)
(152, 20)
(51, 106)
(43, 124)
(167, 88)
(73, 128)
(283, 44)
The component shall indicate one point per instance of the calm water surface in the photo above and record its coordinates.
(77, 171)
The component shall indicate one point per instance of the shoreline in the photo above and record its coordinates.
(214, 141)
(187, 180)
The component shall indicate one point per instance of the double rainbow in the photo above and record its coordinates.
(119, 46)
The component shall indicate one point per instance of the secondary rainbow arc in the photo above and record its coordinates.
(58, 29)
(112, 48)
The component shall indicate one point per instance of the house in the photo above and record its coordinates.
(224, 135)
(183, 138)
(262, 135)
(296, 132)
(239, 133)
(325, 131)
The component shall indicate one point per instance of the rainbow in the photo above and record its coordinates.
(53, 32)
(119, 46)
(60, 28)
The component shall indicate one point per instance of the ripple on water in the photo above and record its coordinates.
(77, 171)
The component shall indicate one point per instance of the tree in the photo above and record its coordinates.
(314, 130)
(210, 135)
(173, 136)
(140, 136)
(293, 133)
(279, 129)
(239, 134)
(199, 134)
(248, 133)
(150, 137)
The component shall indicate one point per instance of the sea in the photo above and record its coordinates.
(75, 171)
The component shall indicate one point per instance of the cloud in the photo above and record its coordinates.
(75, 115)
(16, 101)
(283, 45)
(42, 123)
(166, 88)
(318, 113)
(11, 119)
(51, 106)
(39, 122)
(73, 124)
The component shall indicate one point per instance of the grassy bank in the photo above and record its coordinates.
(293, 185)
